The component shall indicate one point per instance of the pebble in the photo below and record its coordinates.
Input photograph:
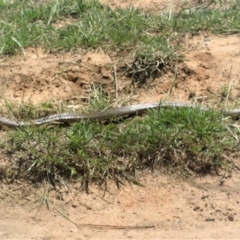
(231, 217)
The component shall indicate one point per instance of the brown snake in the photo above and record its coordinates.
(116, 112)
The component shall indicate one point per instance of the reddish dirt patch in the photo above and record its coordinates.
(207, 208)
(206, 74)
(164, 209)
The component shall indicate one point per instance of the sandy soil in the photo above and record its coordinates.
(166, 208)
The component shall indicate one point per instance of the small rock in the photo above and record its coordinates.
(231, 217)
(196, 208)
(205, 196)
(74, 204)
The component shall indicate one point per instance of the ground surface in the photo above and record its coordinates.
(166, 208)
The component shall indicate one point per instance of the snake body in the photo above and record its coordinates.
(111, 113)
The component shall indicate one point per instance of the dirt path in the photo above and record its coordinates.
(164, 209)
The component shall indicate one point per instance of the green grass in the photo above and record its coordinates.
(171, 140)
(93, 25)
(175, 141)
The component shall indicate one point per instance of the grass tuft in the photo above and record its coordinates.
(172, 140)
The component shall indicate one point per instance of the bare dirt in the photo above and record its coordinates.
(166, 208)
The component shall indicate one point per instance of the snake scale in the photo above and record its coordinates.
(111, 113)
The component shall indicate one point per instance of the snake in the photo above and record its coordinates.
(136, 109)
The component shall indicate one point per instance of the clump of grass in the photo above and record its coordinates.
(27, 110)
(146, 66)
(91, 24)
(172, 140)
